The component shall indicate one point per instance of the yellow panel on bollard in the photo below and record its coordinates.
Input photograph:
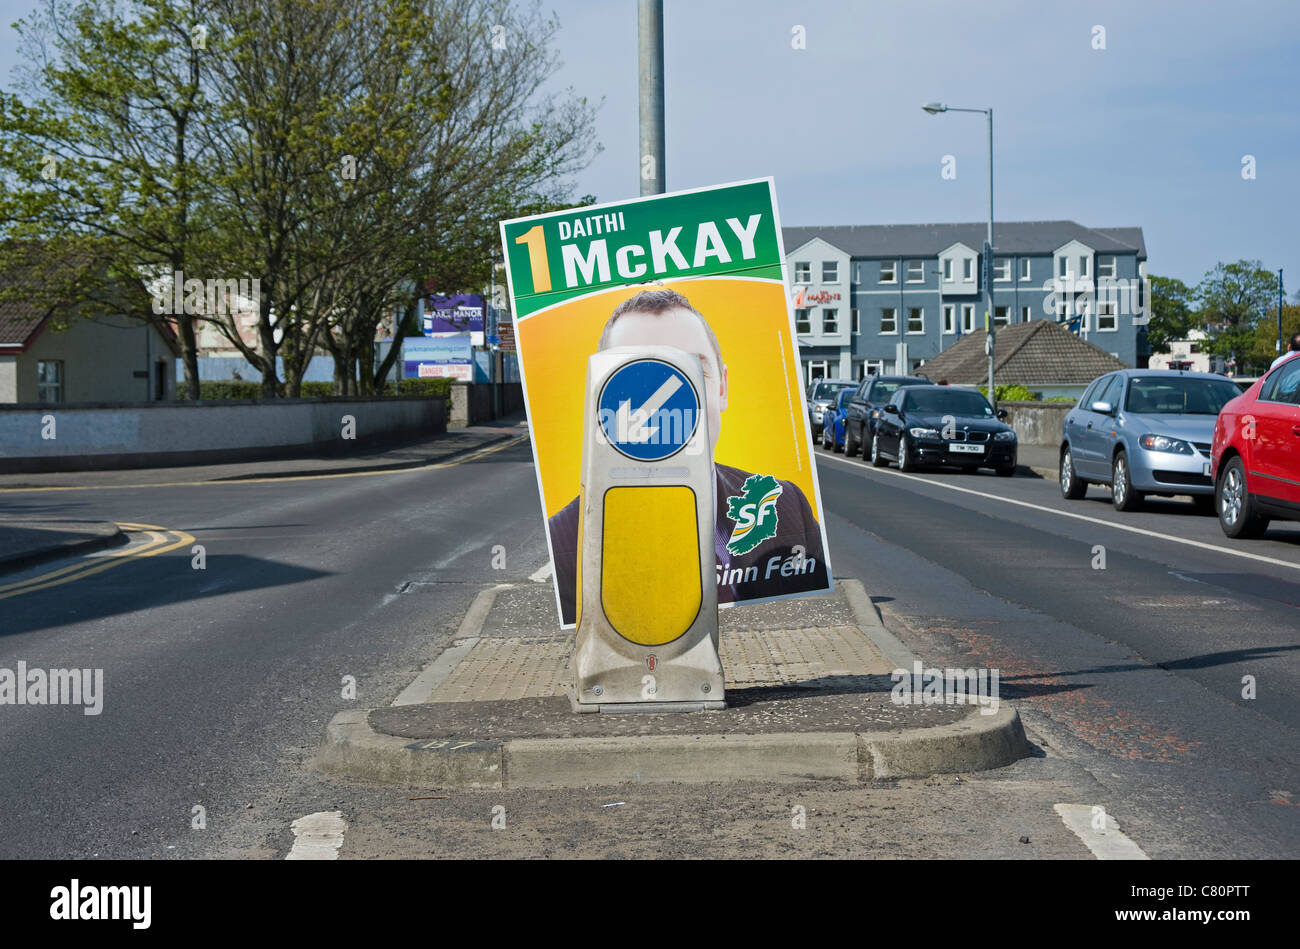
(650, 530)
(646, 593)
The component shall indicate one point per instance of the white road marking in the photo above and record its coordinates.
(1187, 542)
(542, 574)
(467, 635)
(1108, 844)
(318, 836)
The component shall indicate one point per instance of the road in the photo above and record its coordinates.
(218, 682)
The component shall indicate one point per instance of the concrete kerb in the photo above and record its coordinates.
(106, 535)
(975, 743)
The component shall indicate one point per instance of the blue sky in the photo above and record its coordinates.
(1150, 131)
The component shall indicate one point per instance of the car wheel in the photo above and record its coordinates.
(1072, 486)
(850, 443)
(1236, 505)
(905, 462)
(1122, 493)
(1006, 471)
(826, 444)
(877, 459)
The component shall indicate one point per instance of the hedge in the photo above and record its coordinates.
(229, 389)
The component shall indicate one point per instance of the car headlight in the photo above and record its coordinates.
(1166, 444)
(1004, 436)
(920, 432)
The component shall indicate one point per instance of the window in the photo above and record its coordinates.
(968, 270)
(915, 320)
(1062, 266)
(1083, 266)
(49, 380)
(1085, 315)
(1002, 315)
(968, 317)
(947, 268)
(1111, 392)
(803, 321)
(1105, 266)
(1024, 268)
(816, 370)
(1026, 314)
(830, 321)
(857, 273)
(875, 367)
(888, 320)
(1283, 385)
(916, 271)
(889, 271)
(830, 271)
(949, 318)
(853, 321)
(1001, 269)
(1106, 321)
(802, 271)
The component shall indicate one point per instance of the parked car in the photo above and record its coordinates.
(1144, 431)
(822, 394)
(1255, 454)
(867, 403)
(943, 425)
(833, 421)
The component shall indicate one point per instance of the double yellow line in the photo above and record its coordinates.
(158, 543)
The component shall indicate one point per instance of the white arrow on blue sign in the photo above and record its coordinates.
(648, 410)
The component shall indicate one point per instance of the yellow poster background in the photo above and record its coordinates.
(763, 428)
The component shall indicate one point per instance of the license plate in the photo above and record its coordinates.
(1205, 469)
(968, 449)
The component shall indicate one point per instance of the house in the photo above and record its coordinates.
(885, 298)
(1041, 355)
(49, 357)
(1190, 353)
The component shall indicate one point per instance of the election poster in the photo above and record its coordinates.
(702, 271)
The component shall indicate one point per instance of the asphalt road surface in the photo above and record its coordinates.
(218, 682)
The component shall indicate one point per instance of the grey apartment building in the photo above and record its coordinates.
(885, 298)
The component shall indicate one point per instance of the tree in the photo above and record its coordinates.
(1264, 346)
(101, 163)
(1232, 299)
(1171, 312)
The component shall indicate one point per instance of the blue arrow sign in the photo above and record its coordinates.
(648, 410)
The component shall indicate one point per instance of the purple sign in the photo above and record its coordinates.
(454, 313)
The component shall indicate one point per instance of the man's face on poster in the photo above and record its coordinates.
(682, 329)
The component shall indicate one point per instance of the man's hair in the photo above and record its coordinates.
(1295, 342)
(657, 302)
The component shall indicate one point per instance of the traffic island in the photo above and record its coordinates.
(809, 696)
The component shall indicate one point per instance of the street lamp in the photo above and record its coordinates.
(934, 108)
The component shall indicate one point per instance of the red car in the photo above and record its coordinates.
(1255, 458)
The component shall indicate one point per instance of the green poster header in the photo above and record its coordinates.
(730, 229)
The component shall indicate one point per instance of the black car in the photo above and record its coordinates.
(943, 425)
(875, 391)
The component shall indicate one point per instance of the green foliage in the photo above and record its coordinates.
(1010, 393)
(426, 387)
(229, 389)
(1171, 312)
(1233, 298)
(1264, 346)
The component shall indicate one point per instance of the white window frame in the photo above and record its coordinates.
(1001, 269)
(947, 269)
(1107, 310)
(825, 366)
(830, 321)
(893, 271)
(968, 317)
(1085, 311)
(873, 367)
(807, 321)
(1106, 266)
(1024, 268)
(1026, 313)
(1084, 266)
(949, 319)
(921, 271)
(803, 271)
(1063, 264)
(58, 386)
(833, 268)
(968, 270)
(1006, 315)
(894, 330)
(910, 311)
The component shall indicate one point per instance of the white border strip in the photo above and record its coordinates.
(1108, 844)
(317, 836)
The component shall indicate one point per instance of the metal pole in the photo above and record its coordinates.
(1279, 311)
(988, 272)
(650, 71)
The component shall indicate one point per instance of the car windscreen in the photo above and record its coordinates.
(827, 390)
(947, 402)
(882, 391)
(1161, 395)
(846, 397)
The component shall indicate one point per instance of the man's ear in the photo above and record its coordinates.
(722, 392)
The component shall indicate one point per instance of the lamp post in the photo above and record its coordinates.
(934, 108)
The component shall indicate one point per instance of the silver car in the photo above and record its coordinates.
(1144, 431)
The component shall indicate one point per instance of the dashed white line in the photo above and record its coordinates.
(1108, 844)
(542, 574)
(318, 836)
(1187, 542)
